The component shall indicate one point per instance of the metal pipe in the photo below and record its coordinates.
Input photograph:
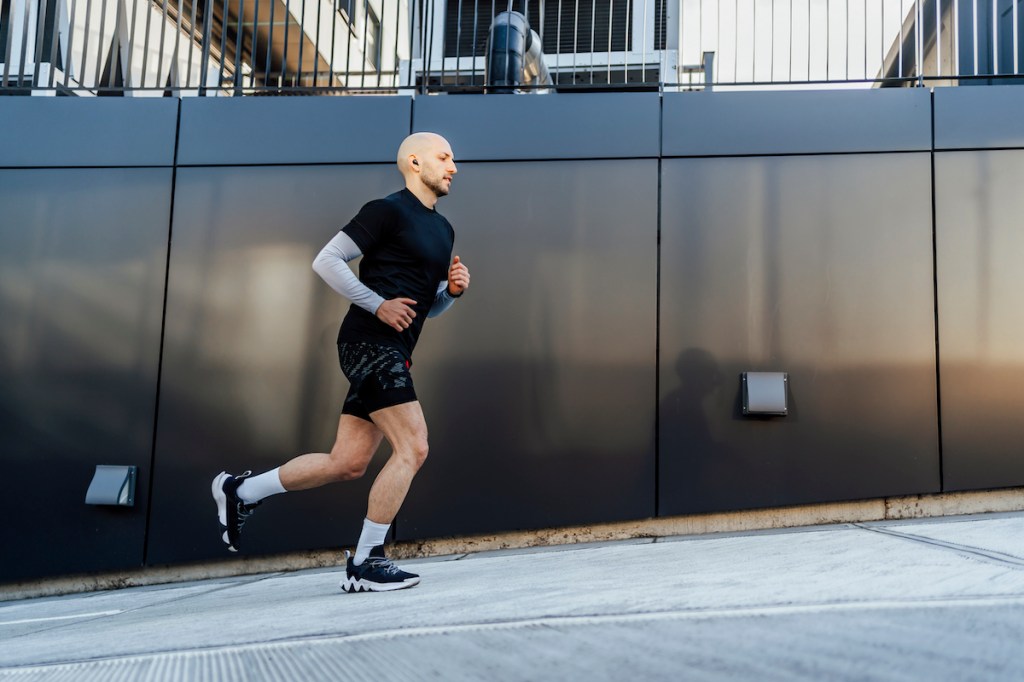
(514, 55)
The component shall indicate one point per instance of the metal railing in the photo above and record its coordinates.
(253, 47)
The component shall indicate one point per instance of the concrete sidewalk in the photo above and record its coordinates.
(936, 599)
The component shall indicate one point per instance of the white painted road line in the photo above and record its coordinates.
(53, 618)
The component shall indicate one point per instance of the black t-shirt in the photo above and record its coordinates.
(406, 251)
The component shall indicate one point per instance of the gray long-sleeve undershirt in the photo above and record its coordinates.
(332, 266)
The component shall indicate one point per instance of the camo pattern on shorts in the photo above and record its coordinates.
(360, 360)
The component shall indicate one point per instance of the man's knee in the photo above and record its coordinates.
(417, 451)
(345, 467)
(351, 472)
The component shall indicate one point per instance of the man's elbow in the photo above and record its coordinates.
(319, 264)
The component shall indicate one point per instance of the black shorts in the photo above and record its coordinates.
(378, 377)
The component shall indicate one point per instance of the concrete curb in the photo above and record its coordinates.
(882, 509)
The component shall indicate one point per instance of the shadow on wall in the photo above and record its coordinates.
(709, 462)
(851, 433)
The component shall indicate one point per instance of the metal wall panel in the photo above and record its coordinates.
(82, 263)
(539, 385)
(979, 246)
(243, 130)
(74, 131)
(578, 126)
(979, 118)
(250, 367)
(816, 266)
(746, 123)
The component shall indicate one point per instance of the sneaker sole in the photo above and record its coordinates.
(221, 500)
(353, 586)
(217, 490)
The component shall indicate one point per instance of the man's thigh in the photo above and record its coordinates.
(403, 425)
(356, 438)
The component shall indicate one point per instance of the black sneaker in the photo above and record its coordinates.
(376, 574)
(232, 512)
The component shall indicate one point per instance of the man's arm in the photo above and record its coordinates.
(442, 300)
(451, 288)
(332, 266)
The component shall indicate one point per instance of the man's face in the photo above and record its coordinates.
(437, 166)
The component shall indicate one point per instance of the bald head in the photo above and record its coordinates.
(417, 146)
(427, 164)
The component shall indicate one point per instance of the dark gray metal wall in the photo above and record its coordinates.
(819, 265)
(539, 387)
(82, 264)
(980, 245)
(632, 254)
(250, 368)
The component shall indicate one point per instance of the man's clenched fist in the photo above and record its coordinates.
(458, 277)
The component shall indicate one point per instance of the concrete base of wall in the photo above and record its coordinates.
(891, 508)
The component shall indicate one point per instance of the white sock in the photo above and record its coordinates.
(259, 487)
(373, 535)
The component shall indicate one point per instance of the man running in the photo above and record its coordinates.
(406, 275)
